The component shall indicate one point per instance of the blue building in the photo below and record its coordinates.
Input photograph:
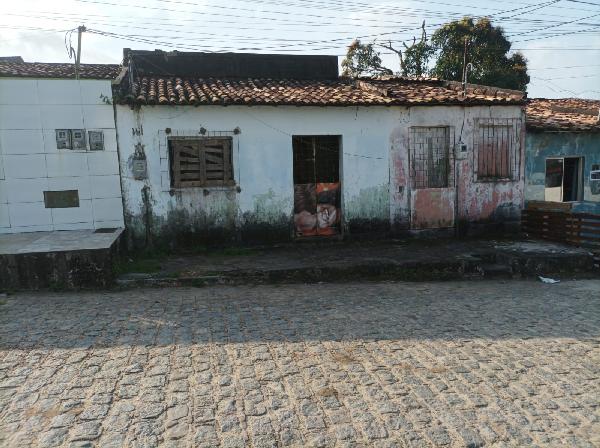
(562, 162)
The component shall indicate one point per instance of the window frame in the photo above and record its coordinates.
(513, 148)
(203, 182)
(412, 150)
(580, 178)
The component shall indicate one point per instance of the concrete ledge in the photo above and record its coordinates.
(61, 259)
(343, 262)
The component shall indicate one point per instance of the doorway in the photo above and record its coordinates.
(317, 188)
(433, 196)
(564, 179)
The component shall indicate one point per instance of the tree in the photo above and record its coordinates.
(414, 59)
(363, 60)
(487, 49)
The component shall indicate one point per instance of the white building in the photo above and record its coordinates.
(264, 147)
(59, 166)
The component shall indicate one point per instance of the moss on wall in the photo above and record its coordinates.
(368, 212)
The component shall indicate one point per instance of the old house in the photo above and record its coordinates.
(271, 147)
(563, 153)
(58, 150)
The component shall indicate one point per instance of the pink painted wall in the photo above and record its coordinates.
(478, 202)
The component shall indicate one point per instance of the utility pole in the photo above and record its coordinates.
(80, 31)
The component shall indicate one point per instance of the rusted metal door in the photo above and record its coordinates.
(433, 196)
(317, 188)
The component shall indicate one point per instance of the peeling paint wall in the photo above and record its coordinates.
(543, 145)
(465, 201)
(260, 206)
(377, 196)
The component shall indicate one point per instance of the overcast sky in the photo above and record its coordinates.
(560, 38)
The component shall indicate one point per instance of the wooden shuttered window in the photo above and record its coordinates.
(497, 144)
(201, 162)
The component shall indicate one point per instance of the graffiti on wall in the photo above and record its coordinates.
(317, 209)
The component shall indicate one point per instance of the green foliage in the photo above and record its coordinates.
(363, 60)
(138, 265)
(487, 51)
(416, 58)
(105, 99)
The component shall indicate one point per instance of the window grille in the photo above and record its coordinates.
(497, 143)
(201, 162)
(430, 157)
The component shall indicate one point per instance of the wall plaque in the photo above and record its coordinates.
(61, 199)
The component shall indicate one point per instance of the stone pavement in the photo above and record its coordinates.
(485, 363)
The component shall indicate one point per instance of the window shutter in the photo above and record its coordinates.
(201, 162)
(497, 148)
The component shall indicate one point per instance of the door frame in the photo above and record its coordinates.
(451, 181)
(341, 208)
(581, 180)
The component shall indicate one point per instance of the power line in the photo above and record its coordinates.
(584, 3)
(561, 24)
(561, 68)
(304, 23)
(587, 30)
(596, 75)
(276, 40)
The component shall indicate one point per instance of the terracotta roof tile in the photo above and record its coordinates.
(566, 114)
(55, 70)
(339, 92)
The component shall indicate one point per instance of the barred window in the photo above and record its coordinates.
(496, 144)
(201, 162)
(429, 152)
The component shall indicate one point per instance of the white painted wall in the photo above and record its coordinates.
(262, 156)
(30, 111)
(374, 160)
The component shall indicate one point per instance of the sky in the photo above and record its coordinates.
(559, 38)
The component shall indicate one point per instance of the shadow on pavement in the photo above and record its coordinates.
(487, 310)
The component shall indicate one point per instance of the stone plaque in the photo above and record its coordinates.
(61, 199)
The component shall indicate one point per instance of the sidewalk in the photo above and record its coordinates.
(413, 260)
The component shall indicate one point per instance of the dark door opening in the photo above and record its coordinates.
(571, 179)
(317, 190)
(564, 179)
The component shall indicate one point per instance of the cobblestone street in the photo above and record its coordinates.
(485, 363)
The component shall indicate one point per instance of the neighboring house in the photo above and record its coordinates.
(563, 152)
(11, 59)
(269, 147)
(59, 165)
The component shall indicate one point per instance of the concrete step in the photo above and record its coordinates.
(494, 270)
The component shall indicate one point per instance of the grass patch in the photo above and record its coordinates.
(230, 251)
(150, 262)
(57, 286)
(138, 265)
(198, 283)
(214, 252)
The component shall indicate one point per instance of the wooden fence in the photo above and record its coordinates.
(579, 229)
